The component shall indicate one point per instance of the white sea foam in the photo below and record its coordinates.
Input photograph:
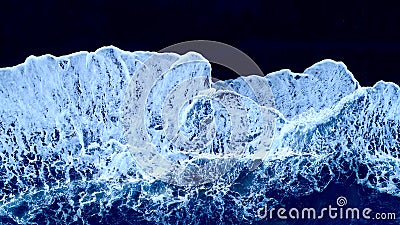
(62, 139)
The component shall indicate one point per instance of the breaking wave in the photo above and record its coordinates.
(65, 158)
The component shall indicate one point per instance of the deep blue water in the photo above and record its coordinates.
(68, 156)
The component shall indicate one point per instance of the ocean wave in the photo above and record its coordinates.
(66, 159)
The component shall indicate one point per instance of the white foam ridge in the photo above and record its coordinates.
(64, 155)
